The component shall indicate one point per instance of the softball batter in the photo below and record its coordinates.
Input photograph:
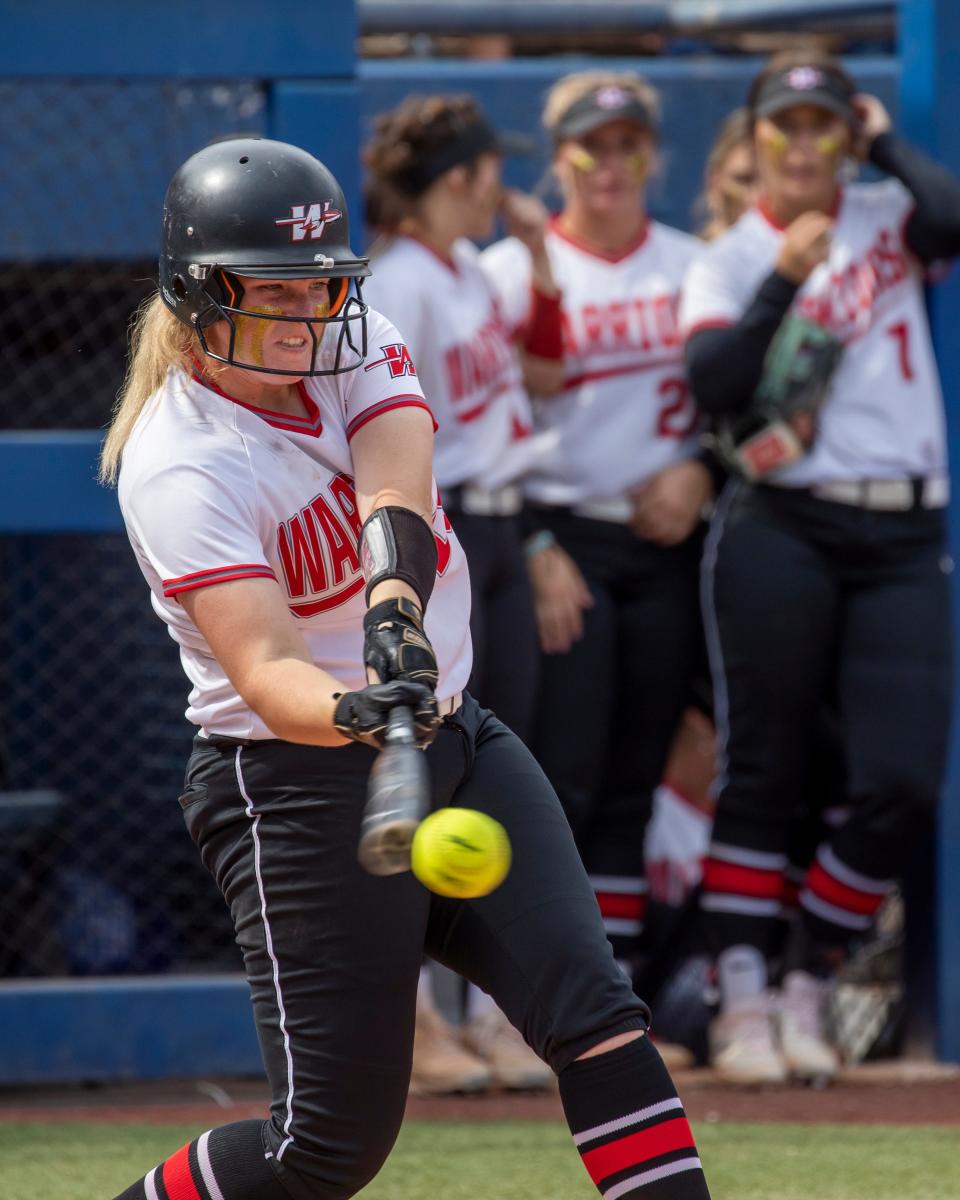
(276, 484)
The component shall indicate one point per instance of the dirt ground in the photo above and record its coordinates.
(884, 1093)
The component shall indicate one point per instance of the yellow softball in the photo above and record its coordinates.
(460, 852)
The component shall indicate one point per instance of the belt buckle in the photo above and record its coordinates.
(495, 502)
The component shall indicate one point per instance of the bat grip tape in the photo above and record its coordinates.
(397, 543)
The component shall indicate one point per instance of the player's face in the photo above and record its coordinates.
(733, 186)
(280, 345)
(799, 152)
(482, 192)
(607, 168)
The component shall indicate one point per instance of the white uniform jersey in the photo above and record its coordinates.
(625, 412)
(213, 489)
(465, 358)
(883, 417)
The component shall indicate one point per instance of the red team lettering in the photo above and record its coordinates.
(317, 548)
(623, 325)
(476, 370)
(845, 302)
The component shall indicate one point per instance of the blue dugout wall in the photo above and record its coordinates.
(199, 71)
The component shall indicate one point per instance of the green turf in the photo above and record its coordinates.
(521, 1161)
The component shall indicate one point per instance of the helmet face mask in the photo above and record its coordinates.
(266, 210)
(348, 315)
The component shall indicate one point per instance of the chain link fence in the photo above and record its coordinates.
(99, 873)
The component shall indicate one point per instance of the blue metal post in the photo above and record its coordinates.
(929, 102)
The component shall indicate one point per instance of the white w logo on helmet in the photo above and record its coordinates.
(309, 220)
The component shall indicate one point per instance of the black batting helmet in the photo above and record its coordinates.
(267, 210)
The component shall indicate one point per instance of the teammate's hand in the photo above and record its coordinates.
(363, 715)
(872, 120)
(667, 507)
(525, 217)
(395, 646)
(806, 244)
(560, 594)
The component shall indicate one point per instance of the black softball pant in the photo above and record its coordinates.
(798, 591)
(503, 627)
(609, 708)
(332, 954)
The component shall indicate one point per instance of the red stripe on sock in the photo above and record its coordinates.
(621, 904)
(841, 895)
(638, 1148)
(741, 881)
(177, 1178)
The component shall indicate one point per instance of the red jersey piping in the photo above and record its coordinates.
(376, 410)
(763, 209)
(309, 424)
(593, 251)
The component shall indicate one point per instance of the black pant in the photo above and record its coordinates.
(798, 591)
(332, 954)
(502, 624)
(609, 707)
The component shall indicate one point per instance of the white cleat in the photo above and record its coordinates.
(803, 1042)
(743, 1046)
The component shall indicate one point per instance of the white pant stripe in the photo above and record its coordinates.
(746, 906)
(625, 926)
(638, 1181)
(206, 1167)
(634, 1118)
(762, 860)
(830, 912)
(721, 702)
(273, 958)
(844, 874)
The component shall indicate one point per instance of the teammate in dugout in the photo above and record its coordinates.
(835, 559)
(616, 484)
(434, 182)
(260, 463)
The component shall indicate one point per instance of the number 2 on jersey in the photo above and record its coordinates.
(678, 413)
(900, 332)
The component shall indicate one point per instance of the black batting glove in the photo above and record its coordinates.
(363, 715)
(395, 646)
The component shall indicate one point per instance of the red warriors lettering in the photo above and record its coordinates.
(643, 324)
(477, 370)
(845, 301)
(318, 549)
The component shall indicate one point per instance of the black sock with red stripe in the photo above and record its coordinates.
(629, 1126)
(228, 1163)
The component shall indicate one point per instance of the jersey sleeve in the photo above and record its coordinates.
(710, 297)
(507, 266)
(193, 526)
(386, 380)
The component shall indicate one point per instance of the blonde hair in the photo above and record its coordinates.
(158, 341)
(571, 88)
(735, 131)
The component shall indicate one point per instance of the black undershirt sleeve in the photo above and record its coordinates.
(932, 231)
(724, 365)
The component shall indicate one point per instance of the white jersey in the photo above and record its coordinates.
(625, 411)
(465, 358)
(883, 417)
(213, 489)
